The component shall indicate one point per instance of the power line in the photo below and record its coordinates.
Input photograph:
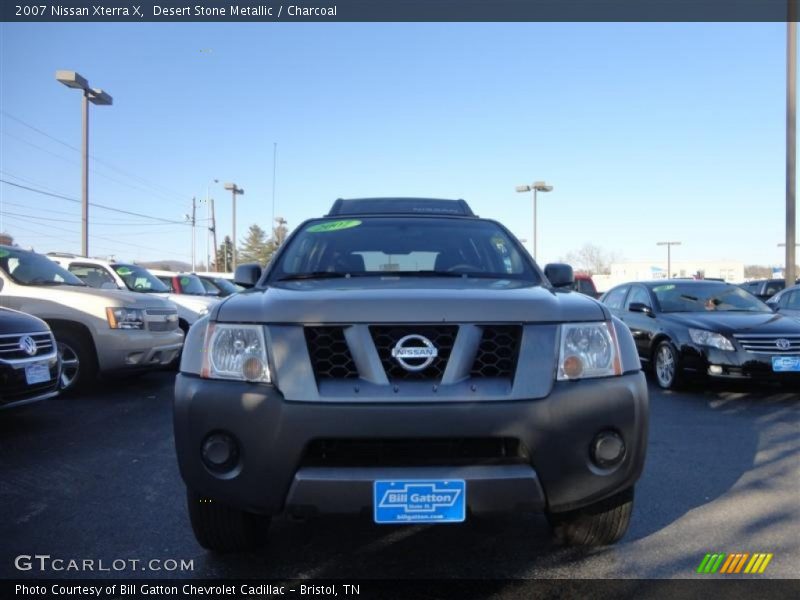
(152, 185)
(110, 223)
(111, 208)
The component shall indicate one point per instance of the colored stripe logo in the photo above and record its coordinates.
(738, 562)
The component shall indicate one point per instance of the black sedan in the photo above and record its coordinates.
(707, 329)
(29, 364)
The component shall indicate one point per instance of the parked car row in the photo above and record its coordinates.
(709, 329)
(65, 319)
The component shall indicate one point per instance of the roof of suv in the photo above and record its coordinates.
(400, 206)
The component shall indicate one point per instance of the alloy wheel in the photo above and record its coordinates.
(665, 366)
(70, 365)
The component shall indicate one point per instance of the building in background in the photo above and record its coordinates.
(728, 270)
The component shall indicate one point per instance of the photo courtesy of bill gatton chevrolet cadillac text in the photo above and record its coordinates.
(405, 358)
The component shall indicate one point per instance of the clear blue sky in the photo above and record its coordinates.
(647, 131)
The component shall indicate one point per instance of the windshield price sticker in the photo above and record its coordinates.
(333, 226)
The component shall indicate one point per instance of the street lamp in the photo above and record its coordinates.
(235, 191)
(95, 96)
(208, 223)
(537, 186)
(669, 246)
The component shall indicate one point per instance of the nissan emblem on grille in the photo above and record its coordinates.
(28, 345)
(414, 353)
(783, 344)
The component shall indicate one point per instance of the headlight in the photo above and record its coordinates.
(235, 352)
(588, 350)
(125, 318)
(701, 337)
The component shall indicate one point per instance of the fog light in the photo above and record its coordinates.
(253, 368)
(715, 370)
(573, 367)
(608, 449)
(220, 452)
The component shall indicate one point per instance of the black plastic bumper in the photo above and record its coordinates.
(273, 435)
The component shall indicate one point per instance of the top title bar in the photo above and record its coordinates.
(397, 10)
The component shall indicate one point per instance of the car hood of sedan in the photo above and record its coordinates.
(730, 322)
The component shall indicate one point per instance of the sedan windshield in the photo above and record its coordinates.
(391, 246)
(701, 297)
(29, 268)
(139, 279)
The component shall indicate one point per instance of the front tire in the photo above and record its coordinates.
(666, 366)
(220, 528)
(78, 363)
(598, 524)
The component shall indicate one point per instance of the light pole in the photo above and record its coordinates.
(95, 96)
(669, 246)
(235, 191)
(537, 186)
(208, 223)
(791, 138)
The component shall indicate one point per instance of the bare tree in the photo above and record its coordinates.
(591, 259)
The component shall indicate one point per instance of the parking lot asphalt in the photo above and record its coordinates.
(95, 477)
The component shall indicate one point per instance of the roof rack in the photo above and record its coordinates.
(400, 206)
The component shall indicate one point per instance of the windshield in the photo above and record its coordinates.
(678, 297)
(211, 289)
(139, 279)
(227, 287)
(191, 284)
(403, 246)
(29, 268)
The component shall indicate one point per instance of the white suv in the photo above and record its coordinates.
(105, 274)
(96, 330)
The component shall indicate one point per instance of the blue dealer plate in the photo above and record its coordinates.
(37, 373)
(420, 501)
(786, 364)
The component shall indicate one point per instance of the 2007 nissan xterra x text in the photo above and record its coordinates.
(405, 357)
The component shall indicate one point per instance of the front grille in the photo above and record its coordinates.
(162, 325)
(414, 452)
(23, 391)
(441, 336)
(773, 344)
(498, 351)
(10, 345)
(162, 312)
(330, 356)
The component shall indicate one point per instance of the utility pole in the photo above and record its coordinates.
(669, 246)
(791, 140)
(194, 220)
(274, 170)
(213, 229)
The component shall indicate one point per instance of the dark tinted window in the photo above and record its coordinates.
(791, 300)
(585, 286)
(191, 284)
(404, 245)
(616, 297)
(701, 297)
(638, 294)
(773, 287)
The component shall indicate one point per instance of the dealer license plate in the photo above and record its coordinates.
(420, 501)
(786, 364)
(37, 373)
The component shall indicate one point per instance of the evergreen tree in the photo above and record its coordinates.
(254, 248)
(224, 259)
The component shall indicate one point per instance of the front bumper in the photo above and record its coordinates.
(273, 436)
(15, 389)
(119, 350)
(738, 364)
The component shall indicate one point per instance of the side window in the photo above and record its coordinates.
(93, 276)
(167, 281)
(616, 297)
(639, 294)
(773, 287)
(791, 300)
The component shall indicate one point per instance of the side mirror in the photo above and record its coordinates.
(640, 307)
(247, 275)
(560, 275)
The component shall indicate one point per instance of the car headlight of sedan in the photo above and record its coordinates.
(235, 352)
(588, 350)
(125, 318)
(701, 337)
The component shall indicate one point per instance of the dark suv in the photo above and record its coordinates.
(406, 358)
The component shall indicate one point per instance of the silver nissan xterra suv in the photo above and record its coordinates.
(405, 358)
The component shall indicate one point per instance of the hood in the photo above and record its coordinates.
(117, 297)
(13, 321)
(730, 323)
(408, 300)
